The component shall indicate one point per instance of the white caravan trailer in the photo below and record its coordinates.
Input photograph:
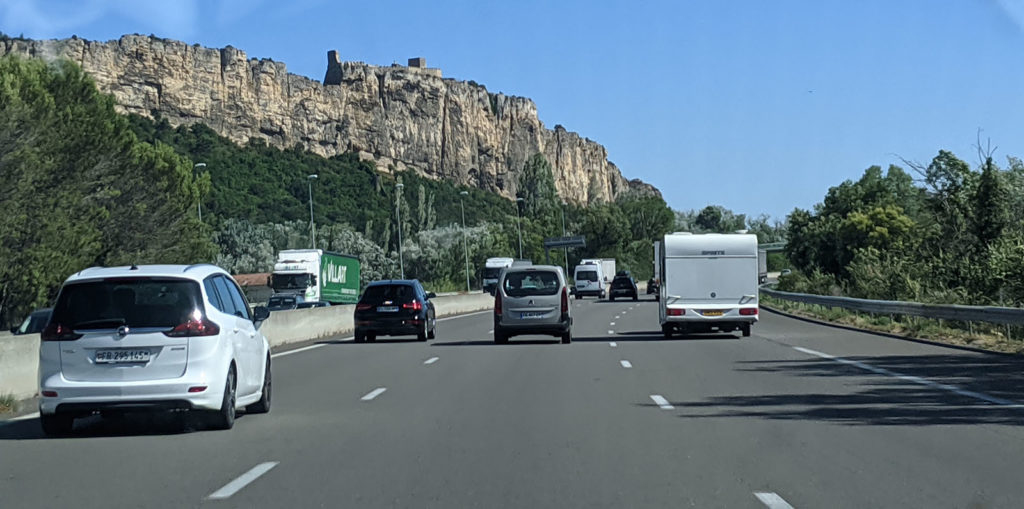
(708, 283)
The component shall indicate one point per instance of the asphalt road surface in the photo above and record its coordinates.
(798, 415)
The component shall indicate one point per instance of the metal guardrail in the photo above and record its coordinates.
(990, 314)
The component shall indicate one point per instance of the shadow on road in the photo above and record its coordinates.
(490, 342)
(880, 397)
(378, 341)
(161, 423)
(653, 337)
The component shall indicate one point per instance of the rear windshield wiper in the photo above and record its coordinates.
(96, 324)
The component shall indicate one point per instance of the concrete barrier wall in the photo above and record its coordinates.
(19, 355)
(19, 365)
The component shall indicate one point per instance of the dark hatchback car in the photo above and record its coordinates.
(34, 323)
(397, 307)
(624, 287)
(284, 302)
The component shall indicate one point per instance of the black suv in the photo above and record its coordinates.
(623, 286)
(396, 307)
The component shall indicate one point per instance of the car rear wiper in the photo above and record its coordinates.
(94, 324)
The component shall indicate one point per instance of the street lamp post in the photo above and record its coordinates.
(565, 249)
(398, 214)
(312, 225)
(200, 201)
(465, 243)
(519, 224)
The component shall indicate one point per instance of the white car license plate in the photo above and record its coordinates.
(387, 309)
(531, 314)
(118, 356)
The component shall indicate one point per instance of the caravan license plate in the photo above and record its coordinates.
(712, 312)
(118, 356)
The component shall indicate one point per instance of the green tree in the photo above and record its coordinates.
(82, 189)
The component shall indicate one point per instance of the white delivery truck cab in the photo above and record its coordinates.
(709, 283)
(492, 270)
(590, 279)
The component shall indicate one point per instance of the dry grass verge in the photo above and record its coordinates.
(991, 337)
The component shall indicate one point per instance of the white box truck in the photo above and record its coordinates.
(709, 283)
(492, 269)
(607, 267)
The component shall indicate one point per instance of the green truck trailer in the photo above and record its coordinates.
(315, 274)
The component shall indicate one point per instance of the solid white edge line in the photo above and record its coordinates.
(772, 500)
(613, 344)
(661, 402)
(626, 364)
(913, 379)
(474, 313)
(303, 349)
(431, 360)
(374, 393)
(242, 481)
(33, 415)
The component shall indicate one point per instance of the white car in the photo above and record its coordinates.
(157, 337)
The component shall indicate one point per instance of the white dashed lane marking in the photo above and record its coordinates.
(613, 344)
(772, 500)
(626, 364)
(242, 481)
(374, 393)
(661, 402)
(431, 360)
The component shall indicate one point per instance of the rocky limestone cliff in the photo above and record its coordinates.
(401, 117)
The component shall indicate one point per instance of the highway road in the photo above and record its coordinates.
(798, 415)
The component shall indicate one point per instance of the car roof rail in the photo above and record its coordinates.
(197, 265)
(83, 271)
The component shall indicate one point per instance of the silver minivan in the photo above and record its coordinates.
(532, 300)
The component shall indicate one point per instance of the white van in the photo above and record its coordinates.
(709, 283)
(590, 280)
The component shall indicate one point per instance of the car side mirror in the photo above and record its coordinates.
(431, 295)
(260, 313)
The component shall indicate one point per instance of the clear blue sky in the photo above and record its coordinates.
(757, 106)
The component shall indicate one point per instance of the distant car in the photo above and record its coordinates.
(623, 286)
(653, 287)
(284, 302)
(785, 272)
(313, 304)
(34, 322)
(532, 300)
(397, 307)
(156, 337)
